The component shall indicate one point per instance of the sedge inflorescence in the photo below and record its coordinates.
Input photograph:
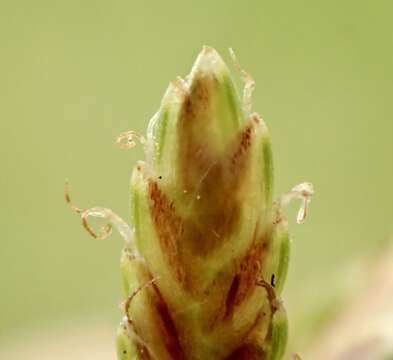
(206, 254)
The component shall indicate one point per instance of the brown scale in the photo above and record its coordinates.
(161, 315)
(169, 228)
(169, 333)
(247, 274)
(193, 133)
(215, 213)
(215, 202)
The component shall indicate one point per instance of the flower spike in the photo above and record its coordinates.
(207, 252)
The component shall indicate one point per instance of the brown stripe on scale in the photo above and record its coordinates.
(216, 207)
(198, 100)
(169, 228)
(247, 274)
(242, 148)
(195, 152)
(169, 332)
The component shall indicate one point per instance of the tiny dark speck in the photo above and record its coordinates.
(160, 177)
(272, 280)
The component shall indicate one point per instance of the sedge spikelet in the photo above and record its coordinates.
(205, 263)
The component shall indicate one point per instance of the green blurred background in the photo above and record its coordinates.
(75, 74)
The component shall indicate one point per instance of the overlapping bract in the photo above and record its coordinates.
(212, 248)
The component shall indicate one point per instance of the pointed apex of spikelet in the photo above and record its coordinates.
(209, 61)
(204, 109)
